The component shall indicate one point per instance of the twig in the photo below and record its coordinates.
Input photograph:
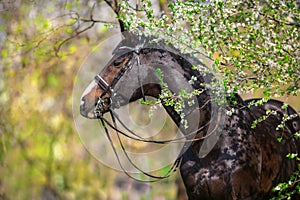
(78, 19)
(57, 49)
(114, 4)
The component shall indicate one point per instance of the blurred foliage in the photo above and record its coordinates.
(42, 45)
(41, 155)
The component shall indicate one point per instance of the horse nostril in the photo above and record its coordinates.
(82, 102)
(83, 110)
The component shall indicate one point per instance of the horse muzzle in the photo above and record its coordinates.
(96, 110)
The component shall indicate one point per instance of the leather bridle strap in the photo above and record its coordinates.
(103, 84)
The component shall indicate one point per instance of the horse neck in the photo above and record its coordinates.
(177, 73)
(202, 113)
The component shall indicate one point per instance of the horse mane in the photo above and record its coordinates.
(187, 61)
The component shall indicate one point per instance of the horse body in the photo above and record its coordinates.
(245, 162)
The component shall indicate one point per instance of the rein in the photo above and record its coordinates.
(182, 139)
(154, 178)
(176, 140)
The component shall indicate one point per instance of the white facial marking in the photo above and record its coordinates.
(88, 90)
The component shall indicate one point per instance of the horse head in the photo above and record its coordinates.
(97, 97)
(132, 73)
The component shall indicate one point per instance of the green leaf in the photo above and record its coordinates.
(291, 155)
(69, 6)
(146, 102)
(72, 49)
(171, 6)
(284, 106)
(4, 53)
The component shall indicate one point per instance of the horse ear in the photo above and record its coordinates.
(125, 34)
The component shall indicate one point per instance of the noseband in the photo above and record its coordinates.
(103, 84)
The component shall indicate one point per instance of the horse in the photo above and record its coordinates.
(240, 161)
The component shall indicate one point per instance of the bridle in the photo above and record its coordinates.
(136, 52)
(104, 102)
(109, 88)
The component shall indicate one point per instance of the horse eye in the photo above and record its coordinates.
(295, 125)
(118, 61)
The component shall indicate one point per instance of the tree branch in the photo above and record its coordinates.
(77, 31)
(57, 49)
(280, 21)
(114, 4)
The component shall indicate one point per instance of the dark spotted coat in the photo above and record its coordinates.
(246, 163)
